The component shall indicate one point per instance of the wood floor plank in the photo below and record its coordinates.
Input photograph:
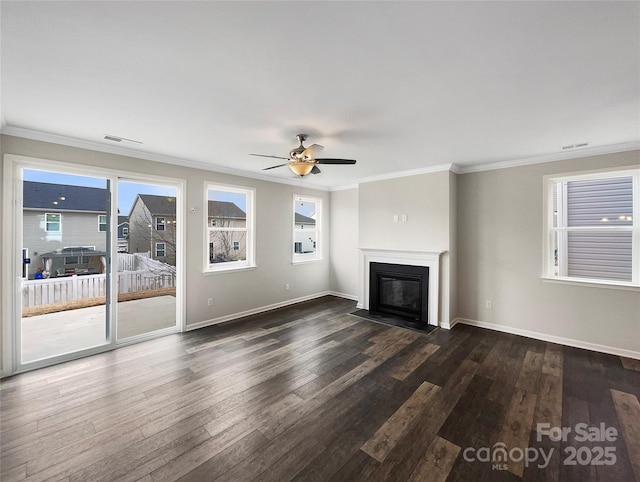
(15, 474)
(396, 427)
(630, 363)
(437, 462)
(142, 458)
(517, 426)
(549, 402)
(417, 358)
(220, 463)
(628, 410)
(63, 462)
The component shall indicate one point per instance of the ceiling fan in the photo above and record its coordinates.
(303, 160)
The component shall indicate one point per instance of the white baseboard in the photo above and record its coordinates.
(255, 311)
(447, 325)
(344, 295)
(551, 338)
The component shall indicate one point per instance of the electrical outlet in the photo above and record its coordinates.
(209, 301)
(286, 286)
(488, 304)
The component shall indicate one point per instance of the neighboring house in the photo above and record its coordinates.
(227, 225)
(152, 227)
(304, 243)
(58, 217)
(123, 234)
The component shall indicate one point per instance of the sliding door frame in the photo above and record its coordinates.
(12, 266)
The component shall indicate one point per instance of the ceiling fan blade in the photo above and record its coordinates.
(335, 161)
(315, 170)
(274, 157)
(310, 152)
(273, 167)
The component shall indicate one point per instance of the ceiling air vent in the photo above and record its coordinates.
(574, 146)
(109, 137)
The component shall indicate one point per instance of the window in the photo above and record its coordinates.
(125, 231)
(160, 223)
(102, 222)
(230, 228)
(160, 250)
(307, 213)
(53, 223)
(593, 232)
(71, 260)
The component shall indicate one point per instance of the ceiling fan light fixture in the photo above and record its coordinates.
(301, 168)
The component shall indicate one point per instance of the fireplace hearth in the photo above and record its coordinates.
(400, 290)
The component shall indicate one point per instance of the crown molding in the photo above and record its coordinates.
(408, 173)
(149, 156)
(556, 156)
(345, 187)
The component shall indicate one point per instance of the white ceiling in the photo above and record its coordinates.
(395, 85)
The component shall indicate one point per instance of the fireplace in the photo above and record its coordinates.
(410, 259)
(399, 290)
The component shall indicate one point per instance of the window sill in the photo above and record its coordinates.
(305, 261)
(228, 270)
(592, 283)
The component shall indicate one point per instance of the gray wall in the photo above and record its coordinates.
(500, 222)
(344, 243)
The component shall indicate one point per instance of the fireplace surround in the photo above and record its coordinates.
(408, 258)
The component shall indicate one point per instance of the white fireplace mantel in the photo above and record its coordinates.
(411, 258)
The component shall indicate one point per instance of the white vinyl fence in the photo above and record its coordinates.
(142, 262)
(59, 290)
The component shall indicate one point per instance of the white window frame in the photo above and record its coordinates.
(317, 254)
(164, 249)
(549, 272)
(161, 222)
(102, 223)
(46, 223)
(249, 229)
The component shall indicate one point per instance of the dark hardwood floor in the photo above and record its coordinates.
(311, 392)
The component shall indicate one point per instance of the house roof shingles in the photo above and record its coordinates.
(159, 204)
(42, 195)
(225, 209)
(302, 219)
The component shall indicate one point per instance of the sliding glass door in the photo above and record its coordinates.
(147, 255)
(96, 260)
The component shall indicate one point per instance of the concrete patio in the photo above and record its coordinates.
(53, 334)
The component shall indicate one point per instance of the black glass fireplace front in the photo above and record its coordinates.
(399, 290)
